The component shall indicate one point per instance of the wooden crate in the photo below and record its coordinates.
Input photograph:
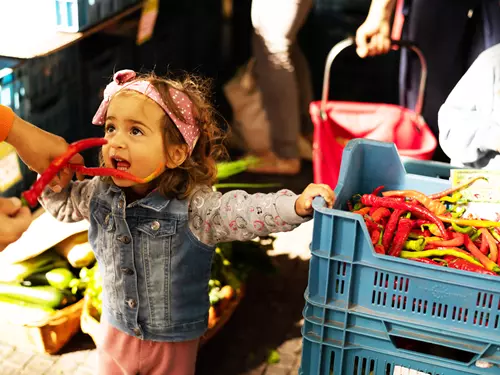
(88, 323)
(223, 318)
(47, 336)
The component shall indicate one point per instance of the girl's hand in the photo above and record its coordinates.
(303, 204)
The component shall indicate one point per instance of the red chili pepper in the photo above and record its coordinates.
(457, 241)
(402, 233)
(380, 213)
(485, 261)
(362, 211)
(378, 189)
(426, 260)
(419, 222)
(435, 206)
(379, 249)
(374, 236)
(30, 196)
(484, 248)
(462, 264)
(390, 228)
(371, 200)
(115, 173)
(491, 243)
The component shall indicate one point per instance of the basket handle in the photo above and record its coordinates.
(340, 46)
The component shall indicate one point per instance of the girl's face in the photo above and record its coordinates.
(134, 130)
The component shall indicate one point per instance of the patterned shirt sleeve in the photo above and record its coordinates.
(238, 216)
(72, 204)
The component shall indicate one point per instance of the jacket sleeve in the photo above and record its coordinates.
(72, 204)
(468, 133)
(239, 216)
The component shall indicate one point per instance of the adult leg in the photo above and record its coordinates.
(276, 24)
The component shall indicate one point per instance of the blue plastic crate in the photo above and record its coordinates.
(59, 112)
(429, 349)
(361, 360)
(42, 75)
(346, 274)
(77, 15)
(427, 168)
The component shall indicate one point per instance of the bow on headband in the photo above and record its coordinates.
(124, 79)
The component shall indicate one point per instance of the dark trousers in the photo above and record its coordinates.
(450, 39)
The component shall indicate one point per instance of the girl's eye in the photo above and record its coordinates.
(136, 131)
(110, 128)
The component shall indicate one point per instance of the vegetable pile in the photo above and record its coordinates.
(430, 228)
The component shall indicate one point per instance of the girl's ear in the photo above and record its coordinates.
(176, 155)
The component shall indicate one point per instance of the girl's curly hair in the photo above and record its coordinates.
(200, 167)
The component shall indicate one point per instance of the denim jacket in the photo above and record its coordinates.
(155, 254)
(469, 120)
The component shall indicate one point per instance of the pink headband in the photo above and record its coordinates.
(188, 129)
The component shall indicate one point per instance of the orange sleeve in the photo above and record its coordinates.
(6, 119)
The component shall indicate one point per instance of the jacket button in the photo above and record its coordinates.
(155, 225)
(137, 331)
(124, 239)
(127, 271)
(132, 303)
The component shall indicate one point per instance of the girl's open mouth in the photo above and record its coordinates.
(120, 164)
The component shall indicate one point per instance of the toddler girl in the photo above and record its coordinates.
(154, 242)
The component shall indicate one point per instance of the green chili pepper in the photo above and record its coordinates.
(433, 228)
(415, 245)
(453, 199)
(458, 212)
(475, 236)
(358, 206)
(459, 229)
(438, 253)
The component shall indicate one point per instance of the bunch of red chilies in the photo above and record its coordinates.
(429, 229)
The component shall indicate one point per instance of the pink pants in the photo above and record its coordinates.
(122, 354)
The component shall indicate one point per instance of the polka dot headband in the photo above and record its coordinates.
(121, 81)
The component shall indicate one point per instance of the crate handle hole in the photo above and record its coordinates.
(433, 349)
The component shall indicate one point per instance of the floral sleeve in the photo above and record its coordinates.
(238, 216)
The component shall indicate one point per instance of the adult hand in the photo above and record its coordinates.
(37, 148)
(373, 36)
(14, 220)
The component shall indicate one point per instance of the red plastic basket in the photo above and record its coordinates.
(337, 122)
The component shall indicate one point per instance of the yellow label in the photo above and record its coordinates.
(480, 191)
(147, 21)
(10, 170)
